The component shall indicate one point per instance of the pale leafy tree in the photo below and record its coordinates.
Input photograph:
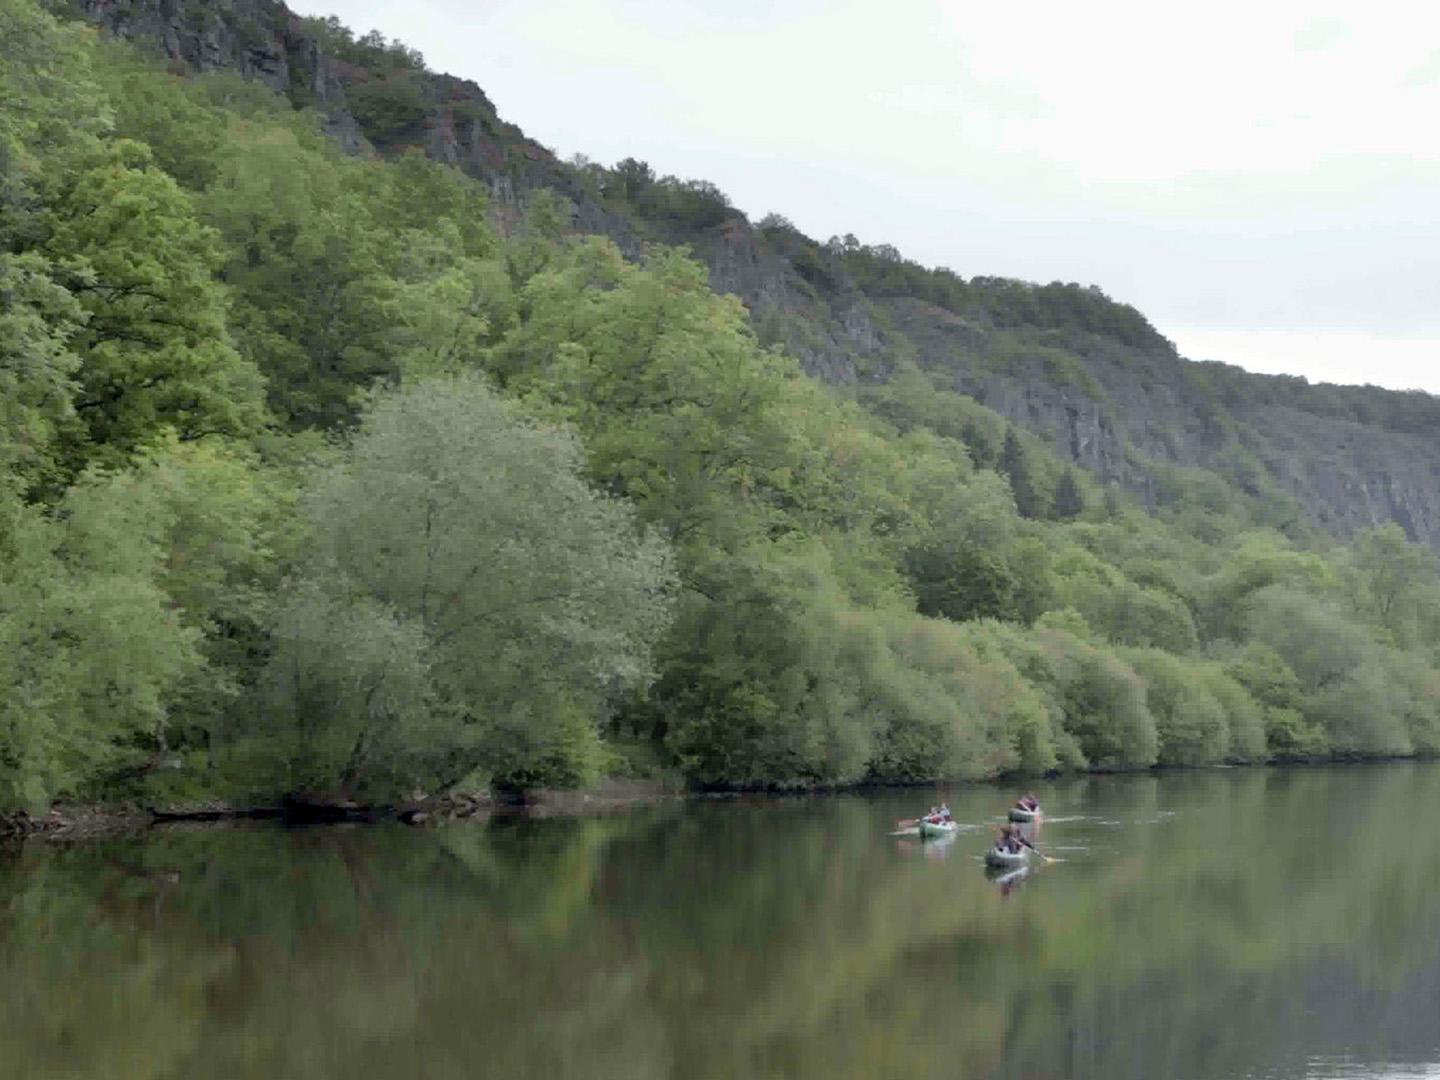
(471, 603)
(1318, 644)
(1394, 580)
(1338, 666)
(352, 687)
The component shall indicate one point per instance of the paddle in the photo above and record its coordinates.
(1037, 851)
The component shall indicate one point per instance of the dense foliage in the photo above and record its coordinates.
(314, 483)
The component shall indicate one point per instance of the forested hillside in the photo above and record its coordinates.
(1089, 376)
(325, 474)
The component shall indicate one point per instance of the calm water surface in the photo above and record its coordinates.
(1265, 924)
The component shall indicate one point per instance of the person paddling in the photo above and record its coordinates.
(938, 815)
(1012, 839)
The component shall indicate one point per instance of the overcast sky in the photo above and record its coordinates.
(1261, 179)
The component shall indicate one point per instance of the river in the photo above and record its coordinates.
(1248, 923)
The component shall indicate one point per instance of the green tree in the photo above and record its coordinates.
(38, 320)
(1189, 720)
(961, 581)
(1014, 466)
(313, 272)
(761, 678)
(51, 105)
(1069, 502)
(1339, 667)
(185, 132)
(1271, 683)
(1257, 561)
(1099, 714)
(680, 409)
(1393, 579)
(91, 652)
(390, 107)
(492, 603)
(226, 532)
(1320, 646)
(155, 350)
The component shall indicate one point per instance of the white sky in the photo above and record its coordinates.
(1261, 179)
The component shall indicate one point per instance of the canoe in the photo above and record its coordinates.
(1016, 814)
(930, 831)
(1006, 860)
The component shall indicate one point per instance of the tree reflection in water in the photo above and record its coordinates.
(789, 938)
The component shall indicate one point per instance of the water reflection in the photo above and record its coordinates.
(786, 938)
(1007, 881)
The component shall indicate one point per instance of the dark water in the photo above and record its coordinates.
(1253, 923)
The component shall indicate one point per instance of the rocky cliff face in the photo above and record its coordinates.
(260, 39)
(1123, 409)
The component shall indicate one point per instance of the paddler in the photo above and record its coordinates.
(1011, 839)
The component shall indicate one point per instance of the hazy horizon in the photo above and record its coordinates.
(1263, 196)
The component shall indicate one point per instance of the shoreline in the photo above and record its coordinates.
(97, 821)
(100, 821)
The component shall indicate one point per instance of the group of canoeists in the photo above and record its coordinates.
(1012, 845)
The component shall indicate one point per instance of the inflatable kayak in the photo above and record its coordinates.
(1016, 814)
(930, 830)
(1006, 860)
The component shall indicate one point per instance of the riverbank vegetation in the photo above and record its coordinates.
(313, 481)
